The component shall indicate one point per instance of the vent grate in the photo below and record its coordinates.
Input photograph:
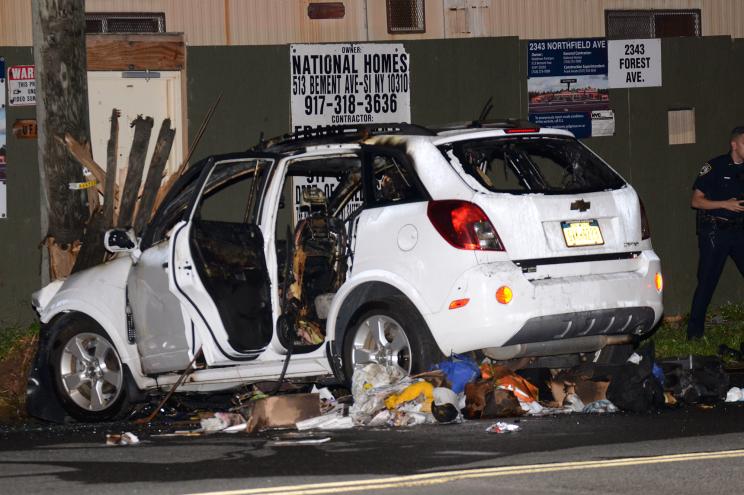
(630, 24)
(116, 22)
(406, 16)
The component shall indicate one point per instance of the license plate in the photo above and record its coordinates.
(584, 233)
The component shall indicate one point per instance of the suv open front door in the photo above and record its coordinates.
(219, 265)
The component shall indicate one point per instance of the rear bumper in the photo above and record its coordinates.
(550, 309)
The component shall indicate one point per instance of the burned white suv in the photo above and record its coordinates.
(396, 244)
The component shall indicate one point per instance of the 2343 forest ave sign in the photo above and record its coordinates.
(634, 63)
(349, 84)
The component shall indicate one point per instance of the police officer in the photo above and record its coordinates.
(718, 196)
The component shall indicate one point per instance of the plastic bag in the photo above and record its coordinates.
(459, 370)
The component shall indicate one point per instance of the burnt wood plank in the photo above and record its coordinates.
(109, 197)
(92, 252)
(137, 154)
(154, 176)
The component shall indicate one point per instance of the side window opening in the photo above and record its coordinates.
(392, 181)
(320, 196)
(171, 211)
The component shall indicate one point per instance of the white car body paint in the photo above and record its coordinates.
(427, 270)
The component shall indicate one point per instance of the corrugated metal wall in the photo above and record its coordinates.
(275, 22)
(532, 19)
(15, 23)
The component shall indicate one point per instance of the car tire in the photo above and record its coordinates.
(390, 332)
(87, 373)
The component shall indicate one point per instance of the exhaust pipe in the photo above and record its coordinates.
(591, 343)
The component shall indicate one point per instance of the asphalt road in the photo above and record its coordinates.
(688, 450)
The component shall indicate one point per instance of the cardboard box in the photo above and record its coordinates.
(587, 390)
(282, 411)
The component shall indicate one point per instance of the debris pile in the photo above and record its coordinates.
(458, 389)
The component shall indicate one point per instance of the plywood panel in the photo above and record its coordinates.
(136, 52)
(681, 126)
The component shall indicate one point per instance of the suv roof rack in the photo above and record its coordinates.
(488, 124)
(339, 134)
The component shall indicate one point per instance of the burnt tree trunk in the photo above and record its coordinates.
(154, 176)
(137, 154)
(61, 107)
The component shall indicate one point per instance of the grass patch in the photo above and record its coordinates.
(723, 325)
(9, 337)
(17, 350)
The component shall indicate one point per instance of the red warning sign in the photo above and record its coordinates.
(21, 85)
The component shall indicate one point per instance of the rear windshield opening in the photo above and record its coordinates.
(537, 164)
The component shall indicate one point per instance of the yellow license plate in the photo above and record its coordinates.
(584, 233)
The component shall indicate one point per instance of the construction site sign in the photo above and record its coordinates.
(567, 84)
(348, 84)
(21, 86)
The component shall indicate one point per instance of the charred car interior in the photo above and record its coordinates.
(312, 243)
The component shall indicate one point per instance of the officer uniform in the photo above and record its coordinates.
(720, 233)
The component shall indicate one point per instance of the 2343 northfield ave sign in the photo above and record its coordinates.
(349, 84)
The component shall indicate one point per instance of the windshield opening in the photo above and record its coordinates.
(536, 164)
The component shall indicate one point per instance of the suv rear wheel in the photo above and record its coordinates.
(390, 333)
(88, 375)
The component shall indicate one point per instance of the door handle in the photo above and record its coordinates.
(164, 265)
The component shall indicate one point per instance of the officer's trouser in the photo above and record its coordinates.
(715, 244)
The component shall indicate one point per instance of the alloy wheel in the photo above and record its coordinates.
(91, 371)
(380, 339)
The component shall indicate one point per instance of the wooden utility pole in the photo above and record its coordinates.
(61, 108)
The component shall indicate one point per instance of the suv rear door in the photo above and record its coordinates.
(550, 197)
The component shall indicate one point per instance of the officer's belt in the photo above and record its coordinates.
(724, 223)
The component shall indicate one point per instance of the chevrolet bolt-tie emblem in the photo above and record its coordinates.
(581, 205)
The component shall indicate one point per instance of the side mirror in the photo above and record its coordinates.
(119, 241)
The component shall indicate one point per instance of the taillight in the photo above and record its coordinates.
(522, 130)
(464, 225)
(645, 227)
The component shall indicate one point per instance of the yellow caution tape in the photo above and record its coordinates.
(75, 186)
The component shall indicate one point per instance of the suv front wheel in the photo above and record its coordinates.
(88, 375)
(390, 333)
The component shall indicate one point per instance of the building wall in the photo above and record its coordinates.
(262, 22)
(15, 23)
(535, 19)
(451, 80)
